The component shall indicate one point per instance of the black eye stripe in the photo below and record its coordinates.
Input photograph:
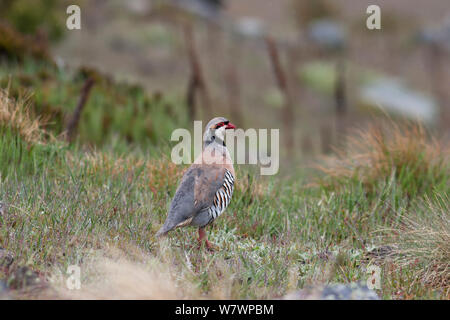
(221, 124)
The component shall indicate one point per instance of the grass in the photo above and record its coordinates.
(96, 209)
(421, 243)
(16, 115)
(402, 152)
(99, 202)
(116, 114)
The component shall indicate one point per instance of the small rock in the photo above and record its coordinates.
(328, 34)
(6, 258)
(396, 98)
(138, 7)
(3, 290)
(208, 9)
(250, 27)
(338, 291)
(438, 34)
(23, 277)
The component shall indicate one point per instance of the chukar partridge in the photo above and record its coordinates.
(206, 187)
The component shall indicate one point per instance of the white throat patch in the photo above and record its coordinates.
(220, 133)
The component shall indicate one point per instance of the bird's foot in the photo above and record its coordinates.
(202, 237)
(209, 246)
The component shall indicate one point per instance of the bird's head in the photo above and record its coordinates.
(215, 130)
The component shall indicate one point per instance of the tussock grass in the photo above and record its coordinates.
(403, 152)
(16, 116)
(422, 242)
(25, 147)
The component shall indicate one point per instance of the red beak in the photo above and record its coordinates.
(230, 126)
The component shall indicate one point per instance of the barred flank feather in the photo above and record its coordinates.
(222, 197)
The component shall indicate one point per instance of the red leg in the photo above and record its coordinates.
(202, 236)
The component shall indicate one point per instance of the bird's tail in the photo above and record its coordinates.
(161, 232)
(164, 229)
(167, 226)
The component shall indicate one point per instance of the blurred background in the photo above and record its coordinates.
(309, 67)
(86, 118)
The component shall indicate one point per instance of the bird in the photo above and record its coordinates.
(206, 187)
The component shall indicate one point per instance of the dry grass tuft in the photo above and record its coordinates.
(127, 280)
(101, 163)
(114, 274)
(379, 153)
(16, 116)
(422, 243)
(161, 172)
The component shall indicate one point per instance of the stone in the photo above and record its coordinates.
(3, 290)
(335, 291)
(327, 34)
(23, 277)
(6, 258)
(394, 97)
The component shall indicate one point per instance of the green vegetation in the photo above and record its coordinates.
(103, 198)
(26, 16)
(66, 205)
(116, 113)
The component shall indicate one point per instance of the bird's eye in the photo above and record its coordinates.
(220, 124)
